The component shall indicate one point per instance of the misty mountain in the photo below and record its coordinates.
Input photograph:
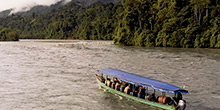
(5, 13)
(40, 9)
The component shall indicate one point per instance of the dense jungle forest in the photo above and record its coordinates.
(150, 23)
(7, 34)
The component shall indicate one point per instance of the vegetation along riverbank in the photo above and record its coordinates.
(7, 34)
(151, 23)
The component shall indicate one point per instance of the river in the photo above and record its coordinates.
(59, 75)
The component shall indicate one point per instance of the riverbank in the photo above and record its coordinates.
(70, 43)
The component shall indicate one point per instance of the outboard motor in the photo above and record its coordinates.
(181, 105)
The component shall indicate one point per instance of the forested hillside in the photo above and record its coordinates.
(44, 9)
(160, 23)
(169, 23)
(96, 21)
(37, 10)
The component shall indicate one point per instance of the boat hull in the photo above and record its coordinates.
(166, 107)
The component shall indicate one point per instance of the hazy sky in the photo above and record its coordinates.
(19, 5)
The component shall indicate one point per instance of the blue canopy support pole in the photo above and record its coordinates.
(147, 91)
(133, 88)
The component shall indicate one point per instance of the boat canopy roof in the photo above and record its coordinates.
(142, 81)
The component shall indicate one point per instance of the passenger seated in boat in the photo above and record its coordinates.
(135, 93)
(127, 89)
(109, 83)
(116, 80)
(113, 85)
(122, 88)
(136, 90)
(137, 87)
(126, 84)
(141, 93)
(100, 78)
(117, 86)
(106, 81)
(103, 80)
(123, 85)
(152, 97)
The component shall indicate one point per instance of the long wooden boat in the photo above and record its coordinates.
(106, 78)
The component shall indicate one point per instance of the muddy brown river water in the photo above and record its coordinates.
(59, 75)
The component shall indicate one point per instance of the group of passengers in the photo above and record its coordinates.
(137, 91)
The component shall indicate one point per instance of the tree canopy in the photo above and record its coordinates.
(151, 23)
(169, 23)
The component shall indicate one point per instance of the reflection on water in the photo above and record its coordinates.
(60, 75)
